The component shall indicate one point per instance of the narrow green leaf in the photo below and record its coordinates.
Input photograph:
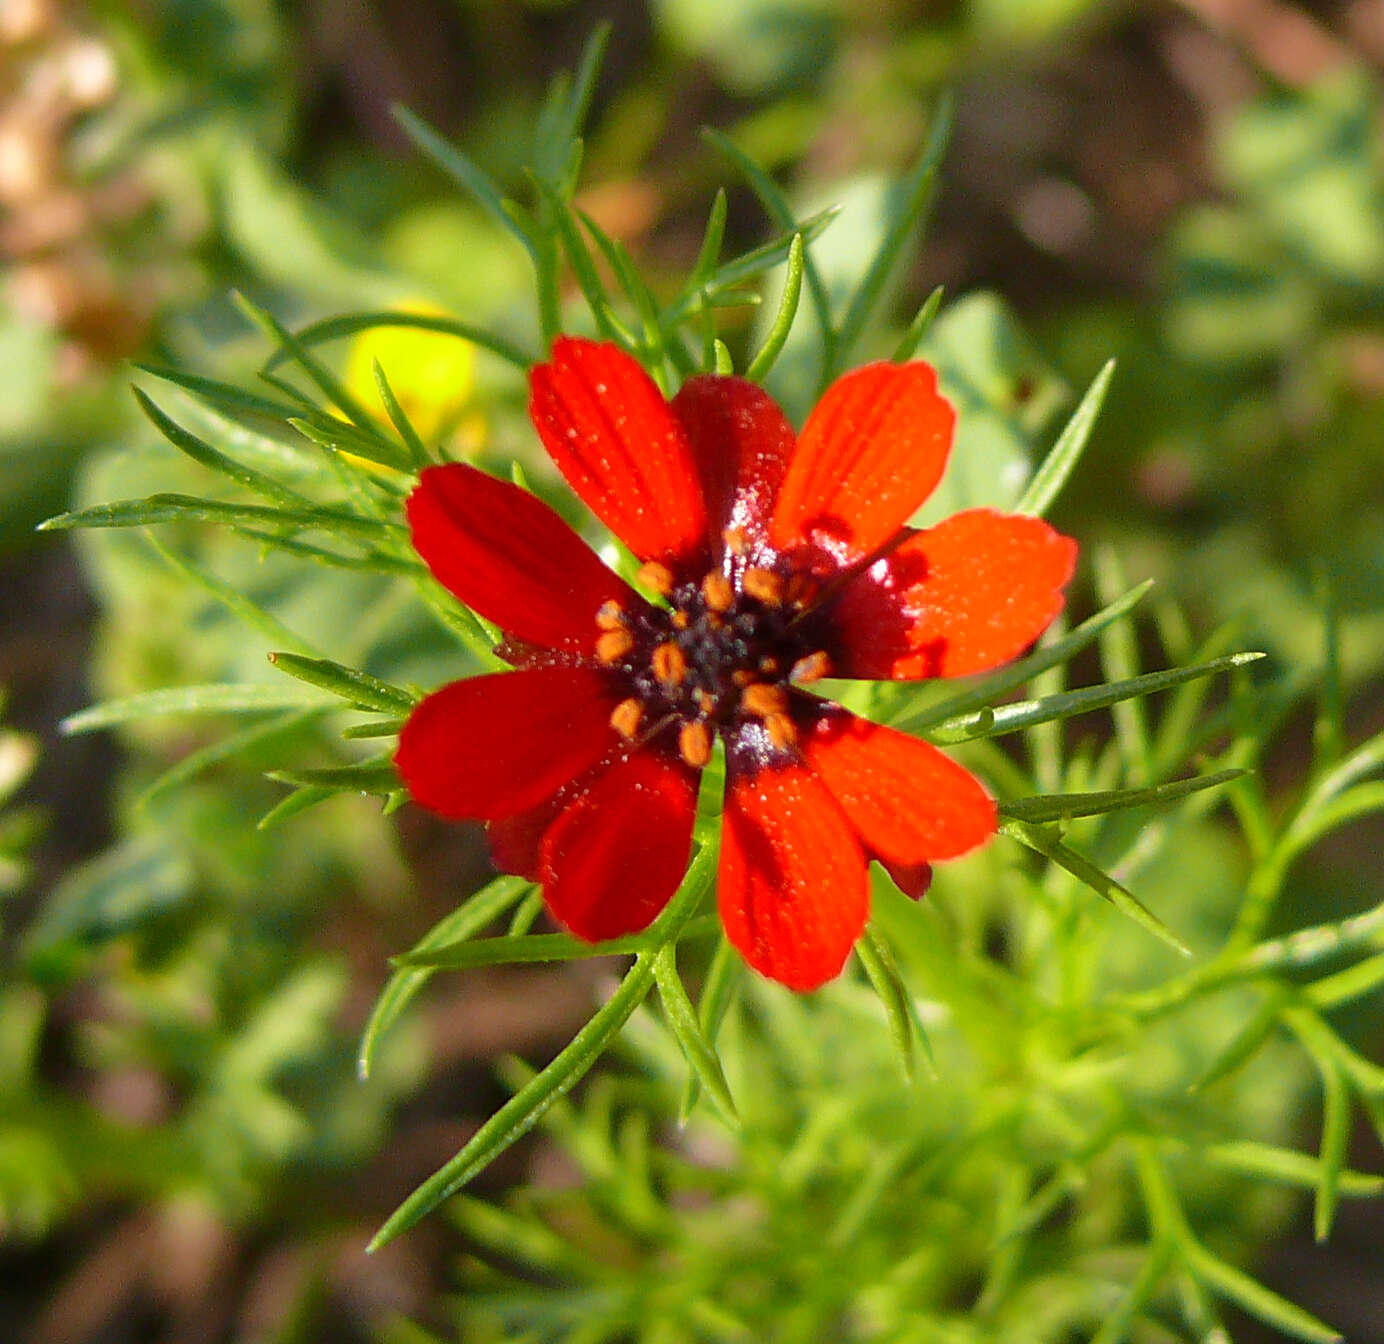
(1024, 713)
(534, 947)
(1119, 656)
(723, 285)
(777, 208)
(468, 919)
(1115, 1327)
(1317, 943)
(725, 365)
(207, 456)
(172, 508)
(1057, 807)
(565, 110)
(682, 1019)
(710, 251)
(204, 758)
(297, 801)
(336, 437)
(376, 775)
(1015, 675)
(374, 728)
(1312, 825)
(584, 82)
(250, 697)
(1355, 982)
(1322, 1042)
(660, 338)
(369, 559)
(518, 1115)
(1364, 760)
(360, 688)
(783, 323)
(235, 401)
(918, 328)
(526, 914)
(397, 416)
(1044, 742)
(1335, 1137)
(1251, 1296)
(327, 382)
(465, 174)
(916, 192)
(883, 972)
(1081, 868)
(608, 322)
(1245, 1044)
(1062, 458)
(1287, 1166)
(1180, 723)
(722, 980)
(350, 324)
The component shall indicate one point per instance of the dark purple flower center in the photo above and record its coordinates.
(722, 654)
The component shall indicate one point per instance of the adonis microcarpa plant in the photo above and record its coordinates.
(1085, 1082)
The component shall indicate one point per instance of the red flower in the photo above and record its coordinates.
(779, 559)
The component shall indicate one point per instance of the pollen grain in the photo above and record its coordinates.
(812, 668)
(694, 743)
(614, 645)
(783, 732)
(717, 592)
(625, 718)
(669, 664)
(763, 585)
(656, 577)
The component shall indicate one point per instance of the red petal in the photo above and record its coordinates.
(908, 802)
(792, 887)
(515, 842)
(610, 862)
(913, 879)
(615, 439)
(504, 552)
(742, 444)
(961, 597)
(492, 746)
(870, 453)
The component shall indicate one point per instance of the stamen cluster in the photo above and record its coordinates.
(721, 653)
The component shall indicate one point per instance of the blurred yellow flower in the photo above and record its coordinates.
(430, 372)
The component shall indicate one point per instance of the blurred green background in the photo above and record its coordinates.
(1197, 189)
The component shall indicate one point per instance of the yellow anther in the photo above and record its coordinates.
(680, 620)
(626, 716)
(717, 592)
(769, 665)
(742, 677)
(656, 577)
(614, 645)
(783, 732)
(669, 664)
(694, 744)
(763, 584)
(812, 668)
(706, 702)
(610, 616)
(736, 541)
(763, 700)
